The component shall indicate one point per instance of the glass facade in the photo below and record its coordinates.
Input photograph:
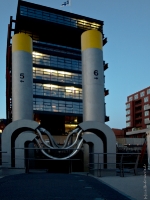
(57, 79)
(56, 47)
(57, 106)
(57, 18)
(51, 90)
(59, 85)
(56, 61)
(57, 75)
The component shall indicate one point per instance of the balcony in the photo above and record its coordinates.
(137, 103)
(138, 122)
(138, 116)
(138, 109)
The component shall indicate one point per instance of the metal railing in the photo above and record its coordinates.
(41, 158)
(125, 162)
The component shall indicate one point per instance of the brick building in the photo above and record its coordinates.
(138, 110)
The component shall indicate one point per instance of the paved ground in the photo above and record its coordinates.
(47, 186)
(135, 186)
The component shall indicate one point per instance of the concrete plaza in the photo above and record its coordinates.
(39, 185)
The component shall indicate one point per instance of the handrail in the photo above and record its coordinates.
(48, 149)
(117, 153)
(32, 159)
(121, 163)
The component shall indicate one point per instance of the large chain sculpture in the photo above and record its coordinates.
(74, 147)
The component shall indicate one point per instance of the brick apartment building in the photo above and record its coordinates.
(138, 110)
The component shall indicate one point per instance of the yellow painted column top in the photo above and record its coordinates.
(22, 42)
(91, 39)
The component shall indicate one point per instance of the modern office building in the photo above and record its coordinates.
(57, 81)
(138, 110)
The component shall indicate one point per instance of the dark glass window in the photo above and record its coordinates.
(57, 106)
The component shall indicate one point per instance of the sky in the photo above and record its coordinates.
(127, 28)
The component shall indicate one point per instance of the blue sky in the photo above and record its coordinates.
(127, 27)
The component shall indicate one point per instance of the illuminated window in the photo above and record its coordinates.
(57, 91)
(56, 61)
(57, 106)
(84, 23)
(57, 18)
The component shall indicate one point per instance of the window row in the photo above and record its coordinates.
(56, 61)
(59, 76)
(142, 94)
(57, 18)
(146, 113)
(57, 45)
(54, 49)
(57, 106)
(57, 91)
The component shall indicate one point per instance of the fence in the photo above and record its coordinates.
(125, 162)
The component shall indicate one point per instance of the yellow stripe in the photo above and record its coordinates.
(22, 42)
(91, 39)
